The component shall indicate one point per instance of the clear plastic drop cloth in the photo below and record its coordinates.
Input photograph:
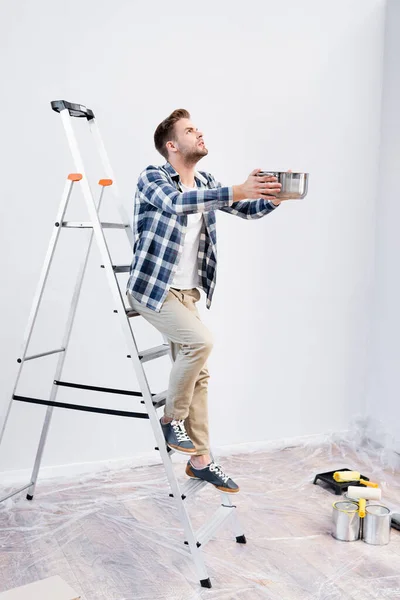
(115, 534)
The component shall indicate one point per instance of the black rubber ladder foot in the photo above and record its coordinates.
(241, 539)
(206, 583)
(29, 497)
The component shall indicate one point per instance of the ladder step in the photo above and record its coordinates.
(120, 268)
(158, 399)
(89, 225)
(192, 486)
(153, 353)
(41, 354)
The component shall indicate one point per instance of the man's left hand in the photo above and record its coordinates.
(275, 201)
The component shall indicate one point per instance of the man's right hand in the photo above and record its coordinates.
(257, 186)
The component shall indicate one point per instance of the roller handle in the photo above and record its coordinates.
(361, 507)
(369, 483)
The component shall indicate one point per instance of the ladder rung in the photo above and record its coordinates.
(89, 225)
(106, 411)
(41, 354)
(153, 353)
(158, 399)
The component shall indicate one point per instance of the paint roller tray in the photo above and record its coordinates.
(337, 486)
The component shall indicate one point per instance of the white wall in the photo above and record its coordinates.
(384, 381)
(272, 85)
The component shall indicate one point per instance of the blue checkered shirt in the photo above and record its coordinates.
(159, 227)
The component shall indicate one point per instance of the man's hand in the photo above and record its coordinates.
(257, 186)
(278, 201)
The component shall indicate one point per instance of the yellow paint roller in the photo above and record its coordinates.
(343, 476)
(355, 493)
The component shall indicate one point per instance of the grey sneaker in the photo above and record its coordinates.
(213, 474)
(177, 438)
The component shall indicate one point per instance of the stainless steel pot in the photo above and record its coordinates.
(294, 185)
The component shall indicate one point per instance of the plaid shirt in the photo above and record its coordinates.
(159, 226)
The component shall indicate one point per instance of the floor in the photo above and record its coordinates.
(109, 535)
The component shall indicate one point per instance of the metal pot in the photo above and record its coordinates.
(294, 185)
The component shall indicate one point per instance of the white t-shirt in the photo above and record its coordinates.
(186, 276)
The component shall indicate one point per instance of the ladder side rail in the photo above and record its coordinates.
(39, 294)
(108, 170)
(61, 359)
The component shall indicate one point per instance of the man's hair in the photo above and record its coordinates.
(166, 130)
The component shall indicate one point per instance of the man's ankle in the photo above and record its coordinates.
(166, 420)
(200, 460)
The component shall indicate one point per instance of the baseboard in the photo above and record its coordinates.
(152, 458)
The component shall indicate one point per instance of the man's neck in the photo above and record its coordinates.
(186, 172)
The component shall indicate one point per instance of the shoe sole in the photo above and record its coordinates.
(190, 474)
(179, 450)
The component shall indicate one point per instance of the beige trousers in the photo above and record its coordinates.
(191, 343)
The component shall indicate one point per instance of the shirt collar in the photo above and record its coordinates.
(175, 175)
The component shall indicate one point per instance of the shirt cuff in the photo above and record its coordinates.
(230, 196)
(272, 204)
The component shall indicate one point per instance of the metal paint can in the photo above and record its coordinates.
(345, 521)
(377, 524)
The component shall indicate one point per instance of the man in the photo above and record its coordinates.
(175, 253)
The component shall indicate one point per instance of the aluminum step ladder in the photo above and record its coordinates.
(180, 494)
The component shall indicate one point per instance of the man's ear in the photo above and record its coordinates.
(170, 147)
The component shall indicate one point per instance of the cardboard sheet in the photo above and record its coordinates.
(52, 588)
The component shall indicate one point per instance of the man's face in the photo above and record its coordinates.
(188, 142)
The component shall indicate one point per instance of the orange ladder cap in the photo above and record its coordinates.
(105, 182)
(75, 176)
